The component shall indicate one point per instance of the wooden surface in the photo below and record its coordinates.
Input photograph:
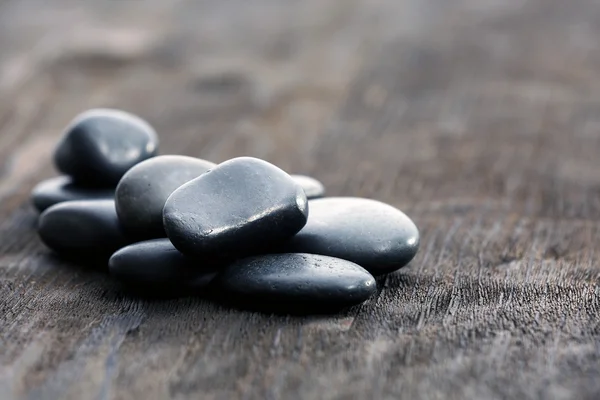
(479, 118)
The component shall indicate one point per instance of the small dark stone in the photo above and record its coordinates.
(144, 189)
(86, 228)
(238, 207)
(100, 145)
(312, 187)
(155, 266)
(292, 281)
(61, 189)
(370, 233)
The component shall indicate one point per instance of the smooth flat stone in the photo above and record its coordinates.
(100, 145)
(61, 189)
(312, 187)
(86, 228)
(144, 189)
(157, 266)
(370, 233)
(289, 280)
(240, 206)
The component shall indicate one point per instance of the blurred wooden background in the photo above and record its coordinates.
(479, 118)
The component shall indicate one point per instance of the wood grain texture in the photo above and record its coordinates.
(479, 119)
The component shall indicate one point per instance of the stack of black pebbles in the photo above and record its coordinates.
(243, 230)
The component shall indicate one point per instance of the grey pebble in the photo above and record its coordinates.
(157, 266)
(370, 233)
(307, 280)
(100, 145)
(312, 187)
(144, 189)
(88, 228)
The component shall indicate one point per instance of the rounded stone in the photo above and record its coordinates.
(61, 189)
(305, 280)
(144, 189)
(242, 205)
(312, 187)
(86, 228)
(157, 266)
(370, 233)
(100, 145)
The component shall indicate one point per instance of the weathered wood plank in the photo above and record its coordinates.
(479, 119)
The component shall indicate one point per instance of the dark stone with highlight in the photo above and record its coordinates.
(308, 281)
(239, 207)
(100, 145)
(370, 233)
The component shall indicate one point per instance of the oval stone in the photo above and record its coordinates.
(370, 233)
(312, 187)
(100, 145)
(305, 280)
(86, 228)
(242, 205)
(157, 266)
(144, 189)
(61, 189)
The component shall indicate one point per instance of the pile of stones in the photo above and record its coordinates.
(243, 231)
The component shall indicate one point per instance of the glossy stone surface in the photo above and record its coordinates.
(88, 228)
(61, 189)
(240, 206)
(370, 233)
(158, 266)
(312, 187)
(100, 145)
(144, 189)
(298, 279)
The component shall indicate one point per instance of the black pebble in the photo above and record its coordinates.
(296, 281)
(100, 145)
(82, 229)
(61, 189)
(370, 233)
(156, 267)
(238, 207)
(144, 189)
(312, 187)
